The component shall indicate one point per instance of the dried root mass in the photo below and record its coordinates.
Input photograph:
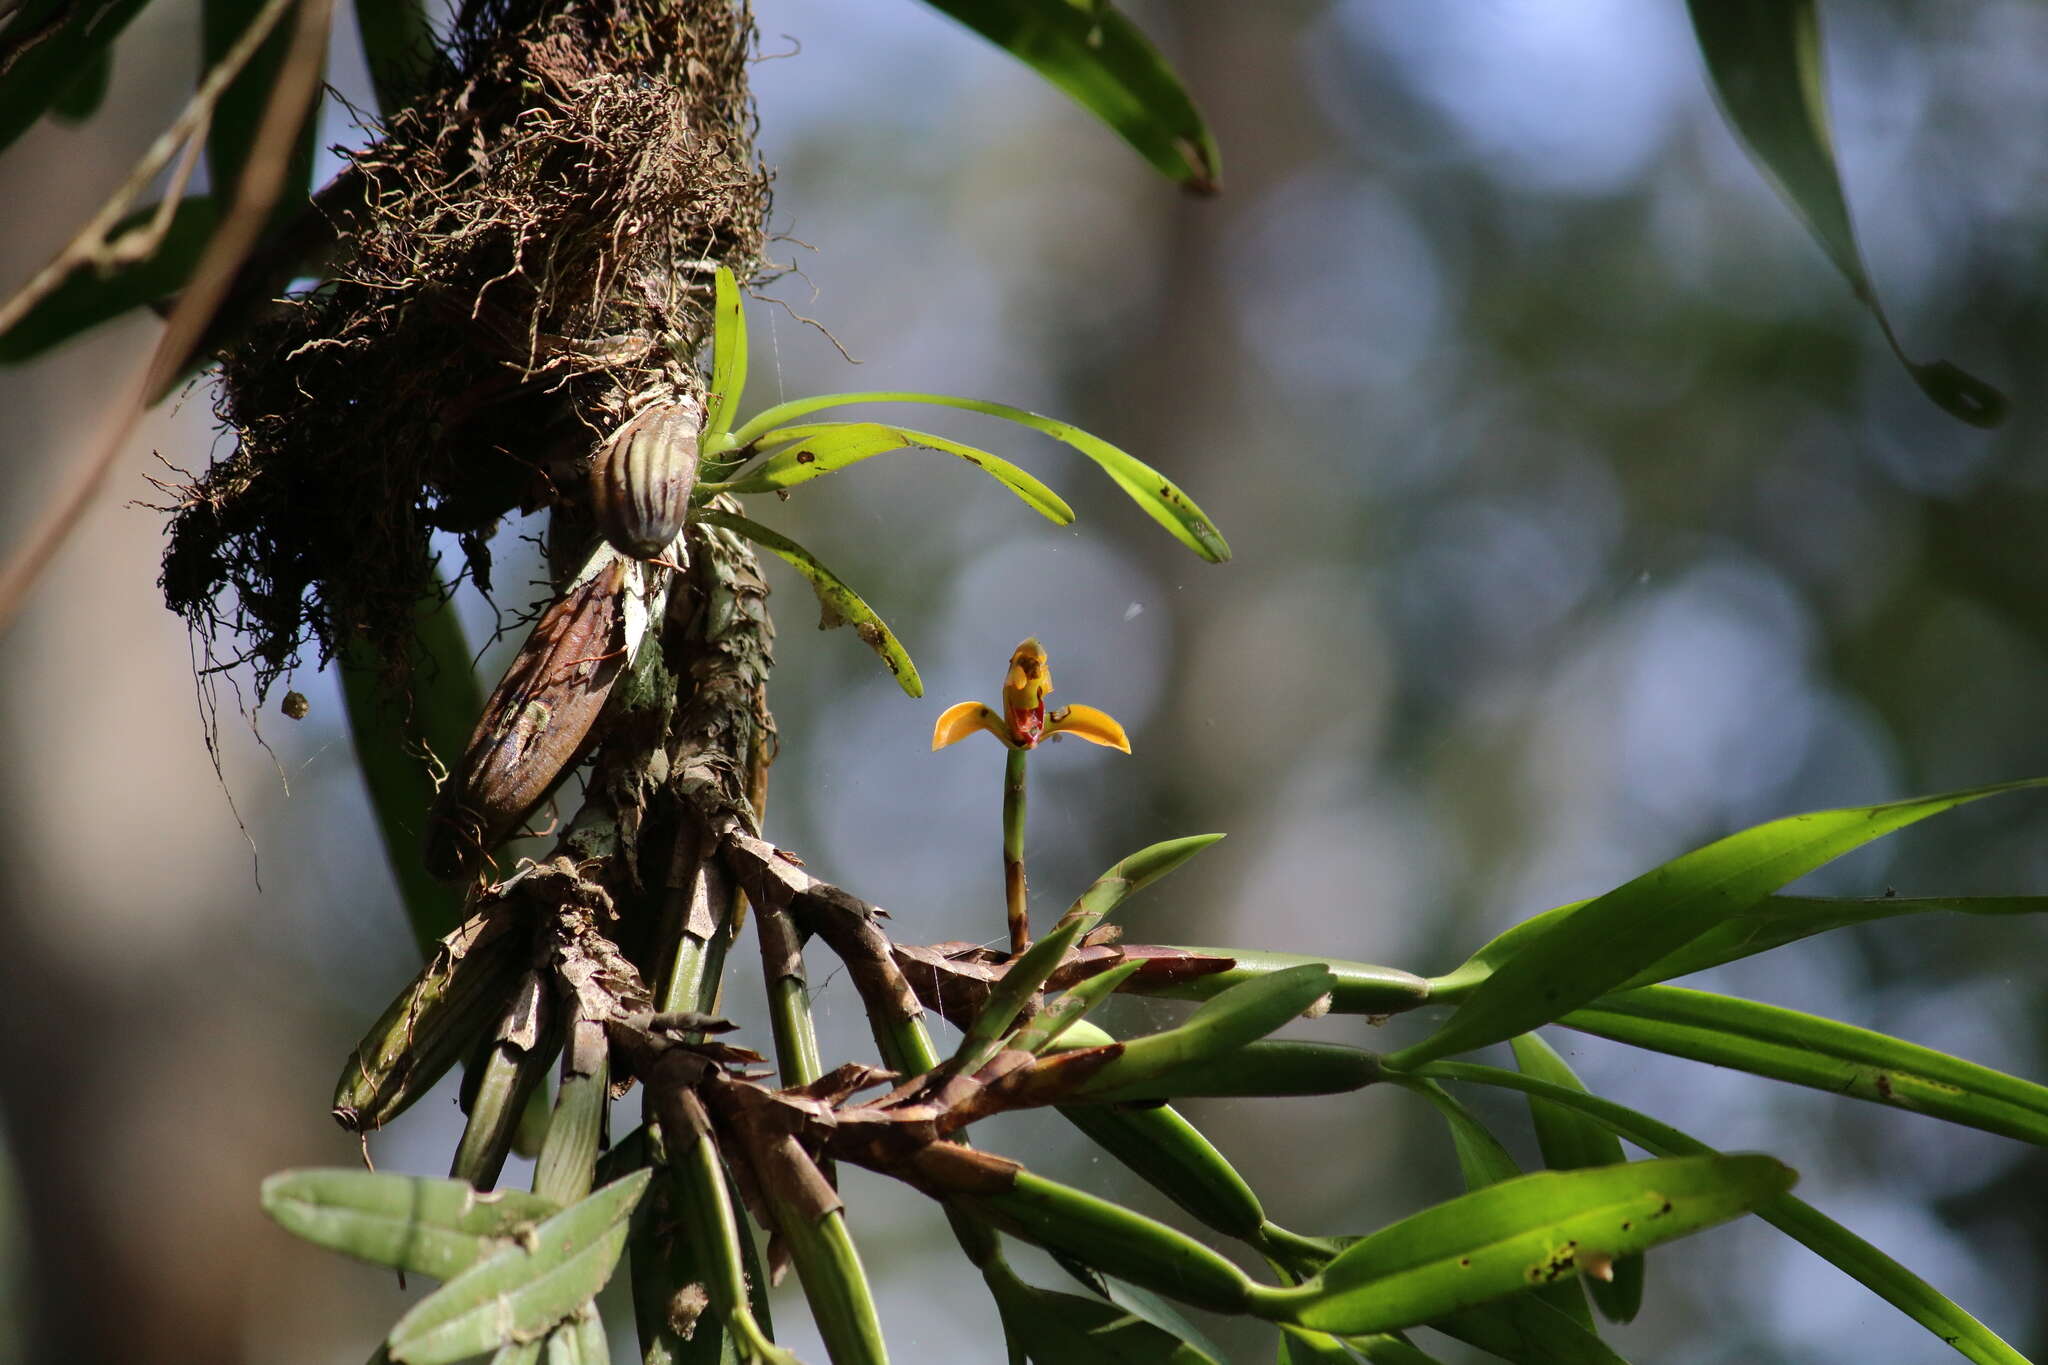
(518, 265)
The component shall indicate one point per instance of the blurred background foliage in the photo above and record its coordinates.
(1580, 516)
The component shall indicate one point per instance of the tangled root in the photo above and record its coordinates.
(528, 257)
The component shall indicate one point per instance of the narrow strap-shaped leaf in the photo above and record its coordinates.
(1508, 1236)
(398, 47)
(1151, 490)
(526, 1289)
(1825, 1054)
(432, 1227)
(1228, 1022)
(80, 100)
(1483, 1160)
(1383, 1348)
(1362, 987)
(1779, 920)
(1057, 1328)
(1113, 1239)
(821, 448)
(1569, 1140)
(1588, 951)
(1012, 992)
(1097, 56)
(1765, 62)
(1771, 923)
(836, 1287)
(1174, 1157)
(88, 298)
(1057, 1017)
(1526, 1329)
(439, 709)
(1858, 1259)
(238, 114)
(40, 74)
(841, 605)
(728, 361)
(1268, 1067)
(1156, 1309)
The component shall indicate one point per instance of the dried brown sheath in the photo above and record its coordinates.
(535, 727)
(641, 479)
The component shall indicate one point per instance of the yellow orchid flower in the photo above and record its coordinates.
(1021, 725)
(1024, 722)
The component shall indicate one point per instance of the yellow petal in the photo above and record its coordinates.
(963, 719)
(1097, 727)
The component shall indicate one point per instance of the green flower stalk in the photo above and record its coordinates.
(1021, 725)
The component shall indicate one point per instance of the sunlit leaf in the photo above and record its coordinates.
(1238, 1016)
(728, 359)
(1483, 1160)
(1764, 57)
(432, 1227)
(841, 604)
(1882, 1275)
(87, 298)
(1270, 1067)
(1824, 1054)
(1097, 56)
(821, 448)
(1586, 951)
(1569, 1140)
(1522, 1232)
(1161, 499)
(523, 1291)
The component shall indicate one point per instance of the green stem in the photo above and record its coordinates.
(1013, 851)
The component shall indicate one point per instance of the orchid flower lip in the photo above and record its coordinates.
(1023, 722)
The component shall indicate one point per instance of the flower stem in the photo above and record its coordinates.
(1013, 851)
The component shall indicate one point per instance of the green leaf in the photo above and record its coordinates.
(841, 604)
(1161, 499)
(1098, 57)
(1586, 951)
(239, 112)
(1056, 1329)
(1384, 1349)
(1527, 1330)
(1779, 920)
(525, 1290)
(80, 100)
(821, 448)
(390, 734)
(398, 47)
(42, 74)
(1298, 1346)
(1805, 1049)
(1062, 1014)
(728, 360)
(1882, 1275)
(1765, 63)
(1113, 1239)
(87, 298)
(1269, 1067)
(1173, 1156)
(1362, 988)
(1238, 1016)
(1483, 1161)
(1156, 1309)
(431, 1227)
(1013, 991)
(1569, 1141)
(1522, 1232)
